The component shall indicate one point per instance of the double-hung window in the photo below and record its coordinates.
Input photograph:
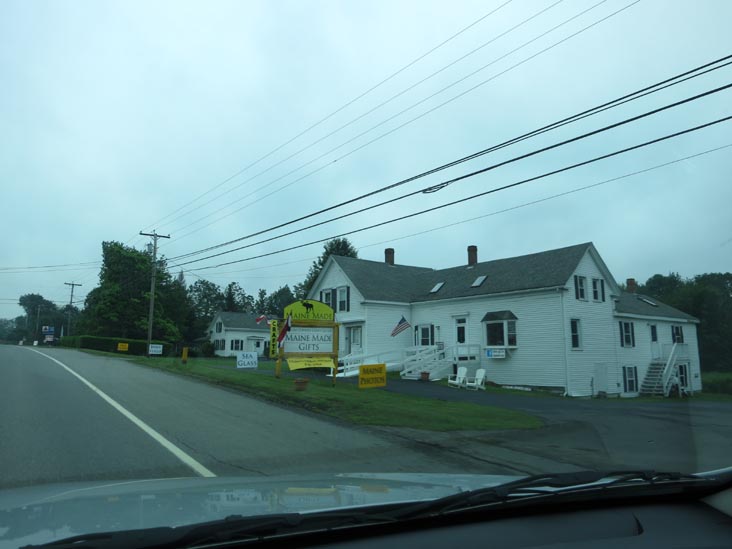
(677, 334)
(598, 289)
(627, 334)
(574, 325)
(580, 287)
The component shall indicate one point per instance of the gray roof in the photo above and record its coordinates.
(639, 304)
(241, 321)
(382, 282)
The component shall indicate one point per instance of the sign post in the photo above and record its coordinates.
(312, 341)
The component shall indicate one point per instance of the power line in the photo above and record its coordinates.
(397, 128)
(377, 107)
(346, 105)
(442, 185)
(472, 197)
(551, 197)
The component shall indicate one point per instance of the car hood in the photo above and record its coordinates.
(40, 514)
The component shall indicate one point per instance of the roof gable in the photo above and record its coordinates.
(240, 321)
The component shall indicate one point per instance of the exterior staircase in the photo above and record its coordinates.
(653, 382)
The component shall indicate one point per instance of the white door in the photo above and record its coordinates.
(354, 338)
(655, 346)
(599, 380)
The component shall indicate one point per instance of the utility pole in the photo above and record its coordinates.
(38, 319)
(71, 304)
(155, 237)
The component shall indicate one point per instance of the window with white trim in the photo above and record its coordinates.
(677, 334)
(574, 328)
(580, 287)
(630, 379)
(654, 333)
(424, 334)
(343, 299)
(627, 334)
(219, 327)
(500, 333)
(460, 327)
(684, 375)
(236, 345)
(598, 289)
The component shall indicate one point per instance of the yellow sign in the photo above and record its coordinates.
(184, 356)
(298, 363)
(123, 346)
(309, 309)
(371, 375)
(273, 333)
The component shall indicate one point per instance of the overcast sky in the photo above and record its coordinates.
(117, 117)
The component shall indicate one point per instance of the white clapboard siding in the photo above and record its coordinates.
(641, 355)
(334, 277)
(598, 339)
(538, 359)
(380, 321)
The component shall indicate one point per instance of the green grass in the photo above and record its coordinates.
(347, 402)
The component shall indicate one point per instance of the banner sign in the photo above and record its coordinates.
(273, 333)
(298, 363)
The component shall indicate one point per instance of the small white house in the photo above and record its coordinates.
(555, 319)
(233, 332)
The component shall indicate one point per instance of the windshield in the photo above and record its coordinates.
(422, 247)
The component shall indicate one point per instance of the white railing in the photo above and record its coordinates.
(670, 369)
(351, 363)
(462, 352)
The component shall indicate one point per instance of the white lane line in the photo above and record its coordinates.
(160, 439)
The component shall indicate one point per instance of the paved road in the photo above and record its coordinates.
(688, 435)
(54, 427)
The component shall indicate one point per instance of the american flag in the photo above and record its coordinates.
(400, 327)
(286, 325)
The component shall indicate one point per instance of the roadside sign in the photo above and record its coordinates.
(123, 347)
(371, 376)
(495, 353)
(155, 349)
(309, 309)
(307, 339)
(47, 330)
(299, 363)
(247, 359)
(273, 333)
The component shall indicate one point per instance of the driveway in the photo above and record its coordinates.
(687, 435)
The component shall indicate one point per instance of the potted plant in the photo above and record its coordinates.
(301, 383)
(424, 376)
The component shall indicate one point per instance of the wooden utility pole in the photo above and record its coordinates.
(155, 237)
(71, 304)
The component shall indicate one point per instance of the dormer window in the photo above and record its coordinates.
(219, 327)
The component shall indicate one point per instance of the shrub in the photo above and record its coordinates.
(207, 349)
(109, 344)
(717, 382)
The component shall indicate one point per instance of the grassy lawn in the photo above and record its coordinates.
(347, 402)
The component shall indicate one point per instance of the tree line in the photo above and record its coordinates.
(118, 306)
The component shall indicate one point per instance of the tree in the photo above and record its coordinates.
(119, 306)
(236, 300)
(708, 297)
(260, 305)
(206, 300)
(337, 246)
(278, 300)
(39, 312)
(7, 329)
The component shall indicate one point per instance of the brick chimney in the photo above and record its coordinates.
(631, 285)
(389, 256)
(472, 255)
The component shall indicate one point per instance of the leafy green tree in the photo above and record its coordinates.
(708, 297)
(278, 300)
(206, 300)
(260, 305)
(337, 246)
(236, 300)
(39, 312)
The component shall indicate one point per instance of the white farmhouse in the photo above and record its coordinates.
(233, 332)
(555, 319)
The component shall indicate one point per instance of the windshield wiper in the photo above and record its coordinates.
(535, 488)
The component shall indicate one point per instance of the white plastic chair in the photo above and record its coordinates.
(458, 380)
(477, 382)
